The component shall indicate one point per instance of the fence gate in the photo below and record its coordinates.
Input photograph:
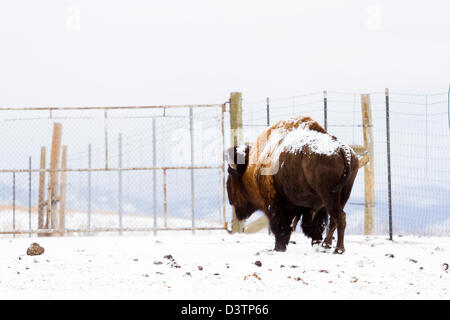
(95, 169)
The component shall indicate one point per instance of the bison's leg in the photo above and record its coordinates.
(329, 237)
(280, 224)
(341, 222)
(337, 220)
(313, 225)
(332, 203)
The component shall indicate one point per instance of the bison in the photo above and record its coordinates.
(295, 170)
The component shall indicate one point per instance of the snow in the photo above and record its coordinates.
(318, 142)
(294, 141)
(137, 267)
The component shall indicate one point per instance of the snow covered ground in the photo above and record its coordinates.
(140, 267)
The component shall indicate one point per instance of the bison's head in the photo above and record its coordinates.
(237, 194)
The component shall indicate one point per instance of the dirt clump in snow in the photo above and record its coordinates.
(35, 250)
(254, 274)
(301, 280)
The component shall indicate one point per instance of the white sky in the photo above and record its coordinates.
(163, 52)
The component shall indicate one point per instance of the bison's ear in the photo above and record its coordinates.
(237, 157)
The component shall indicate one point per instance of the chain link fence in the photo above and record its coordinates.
(160, 168)
(419, 148)
(128, 168)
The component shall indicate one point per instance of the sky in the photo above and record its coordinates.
(178, 52)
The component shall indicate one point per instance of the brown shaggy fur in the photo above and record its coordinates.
(309, 185)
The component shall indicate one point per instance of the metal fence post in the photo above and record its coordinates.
(388, 147)
(14, 202)
(89, 186)
(42, 203)
(155, 207)
(426, 133)
(106, 140)
(29, 195)
(165, 196)
(120, 184)
(191, 130)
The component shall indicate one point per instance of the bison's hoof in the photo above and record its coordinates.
(339, 250)
(326, 245)
(315, 242)
(280, 248)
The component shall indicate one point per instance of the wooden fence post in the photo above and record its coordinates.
(53, 177)
(62, 192)
(369, 190)
(236, 139)
(41, 204)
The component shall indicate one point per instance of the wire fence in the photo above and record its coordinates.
(162, 168)
(128, 169)
(419, 148)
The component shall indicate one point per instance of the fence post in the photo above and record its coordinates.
(268, 124)
(120, 185)
(29, 196)
(191, 130)
(369, 190)
(155, 207)
(165, 196)
(236, 139)
(14, 202)
(62, 192)
(388, 146)
(426, 134)
(325, 109)
(41, 204)
(89, 187)
(222, 121)
(106, 140)
(53, 176)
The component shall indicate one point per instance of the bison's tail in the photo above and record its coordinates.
(346, 153)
